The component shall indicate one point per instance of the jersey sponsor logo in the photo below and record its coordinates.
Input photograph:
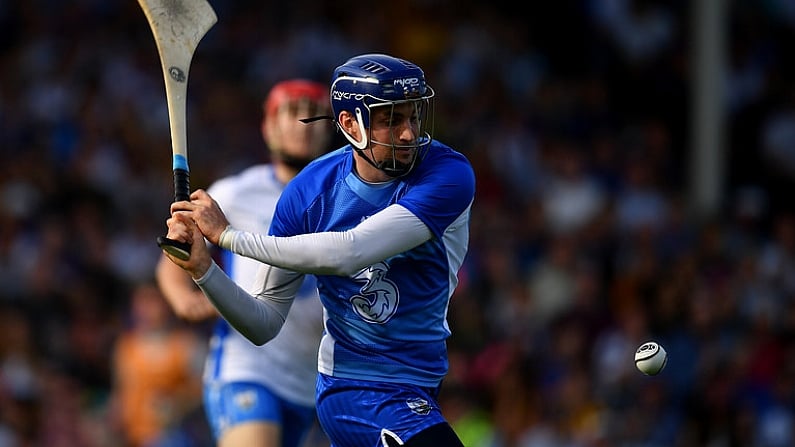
(419, 406)
(378, 298)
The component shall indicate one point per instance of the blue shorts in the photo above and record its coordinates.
(229, 404)
(359, 413)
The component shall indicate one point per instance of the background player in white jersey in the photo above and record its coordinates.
(383, 223)
(261, 396)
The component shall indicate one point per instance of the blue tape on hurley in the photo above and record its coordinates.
(180, 162)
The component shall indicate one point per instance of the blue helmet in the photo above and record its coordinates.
(373, 80)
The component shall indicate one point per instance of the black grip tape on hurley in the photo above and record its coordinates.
(178, 249)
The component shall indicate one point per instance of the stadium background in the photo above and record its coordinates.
(580, 118)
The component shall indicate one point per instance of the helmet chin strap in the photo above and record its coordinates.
(391, 167)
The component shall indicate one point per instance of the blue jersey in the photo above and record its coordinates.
(387, 322)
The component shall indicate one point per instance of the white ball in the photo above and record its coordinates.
(650, 358)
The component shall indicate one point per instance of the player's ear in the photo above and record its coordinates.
(349, 125)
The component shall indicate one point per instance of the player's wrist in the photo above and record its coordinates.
(201, 275)
(226, 237)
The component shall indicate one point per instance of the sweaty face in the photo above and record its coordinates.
(289, 137)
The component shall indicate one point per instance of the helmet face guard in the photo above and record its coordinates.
(371, 81)
(418, 110)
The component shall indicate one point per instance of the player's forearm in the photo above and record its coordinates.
(383, 235)
(256, 319)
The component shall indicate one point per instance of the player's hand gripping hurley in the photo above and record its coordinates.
(178, 26)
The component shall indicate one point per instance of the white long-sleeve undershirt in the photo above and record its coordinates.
(260, 316)
(391, 231)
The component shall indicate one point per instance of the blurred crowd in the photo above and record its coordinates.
(577, 116)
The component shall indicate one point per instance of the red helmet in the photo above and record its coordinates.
(295, 89)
